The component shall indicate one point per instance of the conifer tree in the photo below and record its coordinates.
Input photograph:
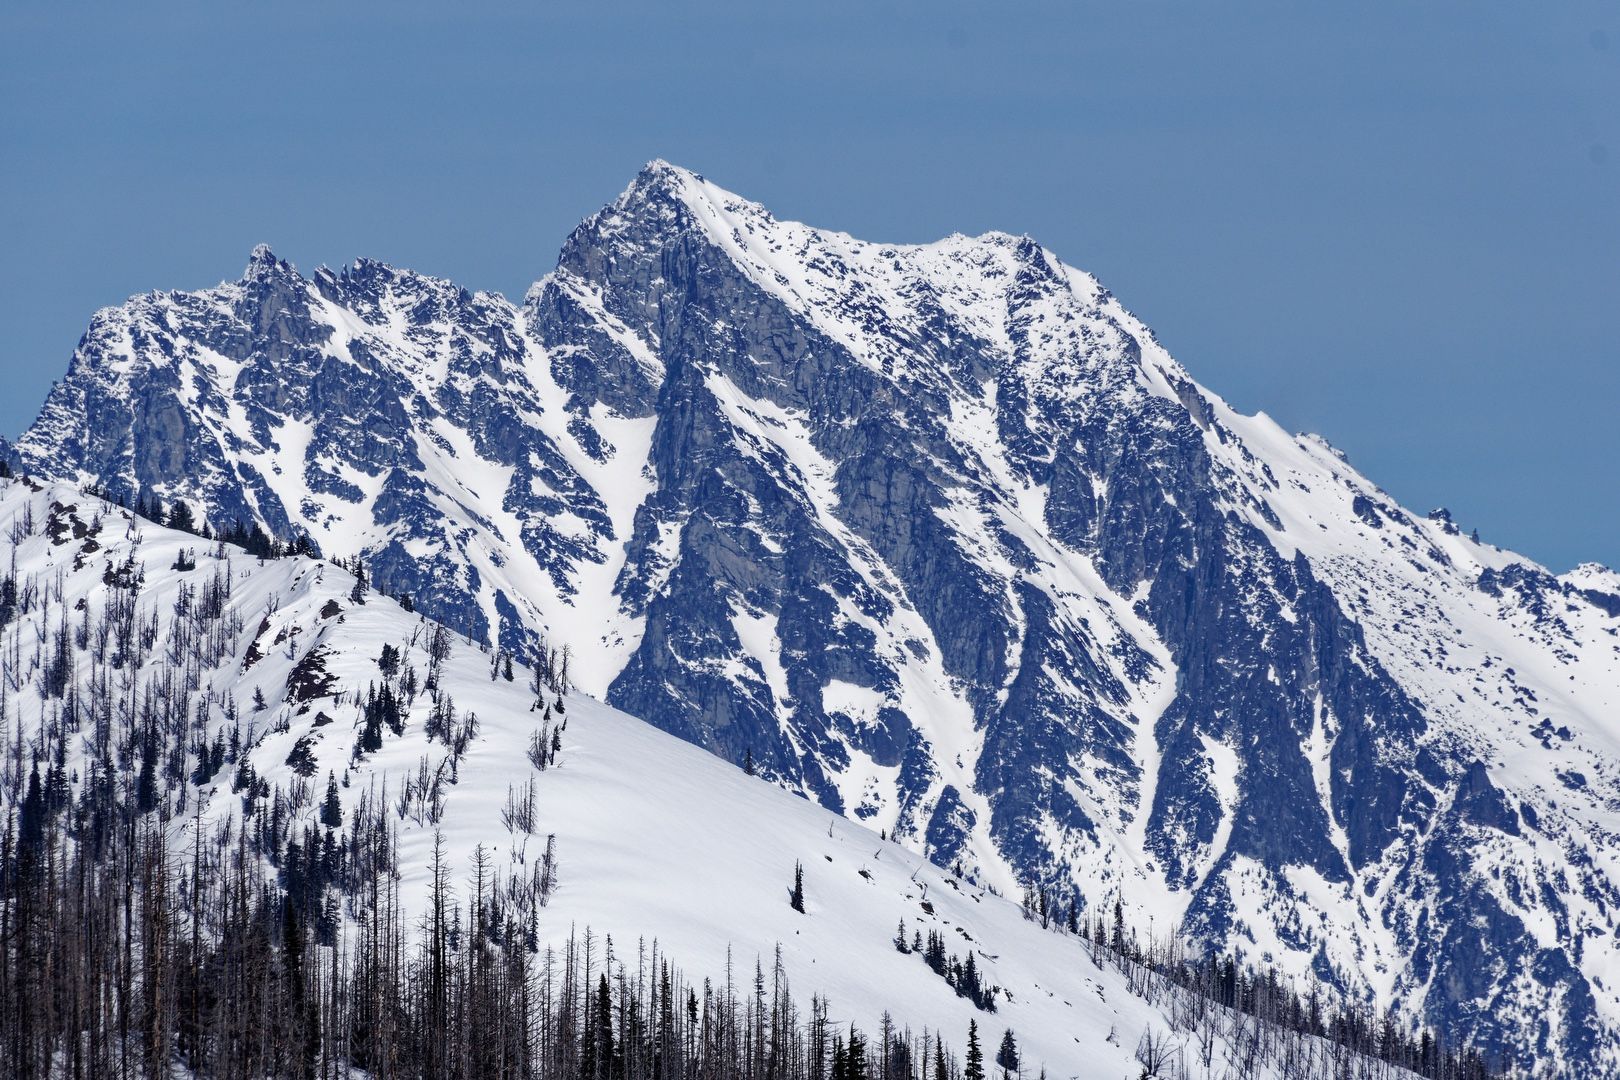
(180, 517)
(1007, 1055)
(370, 740)
(975, 1054)
(796, 898)
(604, 1029)
(332, 807)
(855, 1056)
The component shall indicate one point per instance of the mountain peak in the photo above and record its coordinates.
(657, 181)
(661, 200)
(263, 263)
(665, 176)
(659, 168)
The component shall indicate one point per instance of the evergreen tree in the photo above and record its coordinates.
(180, 517)
(604, 1030)
(332, 808)
(796, 897)
(370, 740)
(1007, 1055)
(975, 1054)
(855, 1056)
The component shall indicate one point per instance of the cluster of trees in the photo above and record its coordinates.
(378, 710)
(546, 743)
(962, 973)
(248, 536)
(179, 515)
(550, 672)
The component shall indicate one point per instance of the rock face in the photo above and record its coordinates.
(942, 537)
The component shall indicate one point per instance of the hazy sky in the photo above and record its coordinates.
(1399, 229)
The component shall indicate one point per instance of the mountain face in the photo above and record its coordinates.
(943, 538)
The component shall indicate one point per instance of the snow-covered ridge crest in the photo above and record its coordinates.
(943, 537)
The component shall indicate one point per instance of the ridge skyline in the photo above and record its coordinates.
(1573, 559)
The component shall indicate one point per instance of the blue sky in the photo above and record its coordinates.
(1397, 225)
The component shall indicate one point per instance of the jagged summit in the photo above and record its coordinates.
(660, 173)
(263, 263)
(943, 538)
(658, 187)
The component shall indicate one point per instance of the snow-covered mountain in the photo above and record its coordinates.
(629, 832)
(941, 536)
